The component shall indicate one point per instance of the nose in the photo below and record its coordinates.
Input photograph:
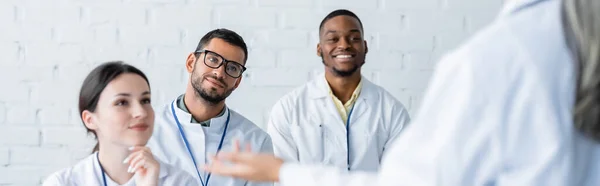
(220, 72)
(344, 43)
(139, 111)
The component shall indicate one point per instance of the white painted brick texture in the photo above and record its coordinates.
(49, 46)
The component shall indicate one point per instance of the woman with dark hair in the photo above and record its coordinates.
(514, 105)
(114, 104)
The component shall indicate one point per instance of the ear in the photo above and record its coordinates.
(189, 63)
(237, 83)
(319, 50)
(366, 47)
(89, 120)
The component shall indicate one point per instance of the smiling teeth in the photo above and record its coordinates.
(343, 56)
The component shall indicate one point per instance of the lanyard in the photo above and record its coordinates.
(101, 169)
(348, 135)
(187, 145)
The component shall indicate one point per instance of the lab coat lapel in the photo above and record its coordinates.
(196, 145)
(360, 107)
(365, 98)
(321, 95)
(332, 110)
(216, 129)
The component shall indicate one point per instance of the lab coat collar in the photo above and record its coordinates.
(513, 6)
(162, 171)
(320, 88)
(184, 118)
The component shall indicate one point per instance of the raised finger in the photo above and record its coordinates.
(130, 157)
(136, 158)
(236, 146)
(139, 166)
(248, 147)
(217, 166)
(134, 150)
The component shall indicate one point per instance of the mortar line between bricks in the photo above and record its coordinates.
(465, 24)
(118, 36)
(279, 20)
(9, 156)
(15, 14)
(40, 139)
(380, 5)
(80, 20)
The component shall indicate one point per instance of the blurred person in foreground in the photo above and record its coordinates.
(517, 104)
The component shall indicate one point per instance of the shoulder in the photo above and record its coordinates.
(73, 175)
(382, 97)
(511, 44)
(250, 129)
(310, 89)
(162, 127)
(164, 113)
(290, 99)
(60, 177)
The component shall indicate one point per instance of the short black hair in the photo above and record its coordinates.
(340, 12)
(228, 36)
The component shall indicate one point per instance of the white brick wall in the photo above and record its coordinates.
(14, 136)
(4, 155)
(48, 46)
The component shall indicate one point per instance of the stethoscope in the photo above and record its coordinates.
(187, 145)
(101, 168)
(348, 135)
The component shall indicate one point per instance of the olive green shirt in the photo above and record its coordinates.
(181, 105)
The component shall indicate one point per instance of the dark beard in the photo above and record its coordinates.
(206, 95)
(346, 73)
(211, 99)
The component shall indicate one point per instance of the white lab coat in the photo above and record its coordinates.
(498, 111)
(166, 143)
(87, 172)
(306, 126)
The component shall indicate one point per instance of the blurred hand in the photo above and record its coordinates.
(142, 163)
(246, 165)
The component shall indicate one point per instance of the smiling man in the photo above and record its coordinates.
(339, 118)
(197, 124)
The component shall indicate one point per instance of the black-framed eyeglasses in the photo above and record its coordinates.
(214, 60)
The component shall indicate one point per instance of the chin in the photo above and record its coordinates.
(212, 90)
(138, 140)
(344, 72)
(138, 143)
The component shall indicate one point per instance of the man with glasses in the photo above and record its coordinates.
(198, 124)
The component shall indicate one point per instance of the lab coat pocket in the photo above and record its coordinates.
(309, 140)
